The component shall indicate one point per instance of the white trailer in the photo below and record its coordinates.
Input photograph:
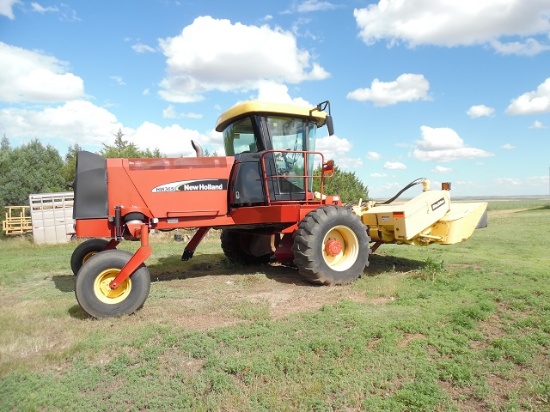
(52, 217)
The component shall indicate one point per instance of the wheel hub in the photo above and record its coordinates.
(103, 290)
(333, 247)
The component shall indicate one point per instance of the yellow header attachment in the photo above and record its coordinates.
(246, 108)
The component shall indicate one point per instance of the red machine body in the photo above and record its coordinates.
(179, 193)
(260, 195)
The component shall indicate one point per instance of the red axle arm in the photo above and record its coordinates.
(136, 260)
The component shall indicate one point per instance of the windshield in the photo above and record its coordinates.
(285, 133)
(295, 135)
(292, 134)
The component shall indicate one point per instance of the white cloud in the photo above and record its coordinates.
(64, 11)
(6, 8)
(77, 121)
(508, 181)
(118, 80)
(512, 185)
(394, 166)
(507, 146)
(455, 23)
(33, 76)
(170, 113)
(90, 126)
(348, 163)
(41, 9)
(406, 88)
(374, 156)
(298, 27)
(378, 175)
(212, 54)
(538, 181)
(172, 140)
(538, 125)
(307, 6)
(331, 145)
(384, 191)
(534, 102)
(442, 169)
(337, 149)
(276, 92)
(480, 111)
(443, 145)
(530, 47)
(143, 48)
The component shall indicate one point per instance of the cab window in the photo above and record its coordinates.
(239, 137)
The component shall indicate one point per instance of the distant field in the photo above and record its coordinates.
(443, 328)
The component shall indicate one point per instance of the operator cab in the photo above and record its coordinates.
(273, 145)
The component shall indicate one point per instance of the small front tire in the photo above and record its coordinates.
(96, 297)
(85, 251)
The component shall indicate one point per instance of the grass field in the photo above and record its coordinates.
(455, 328)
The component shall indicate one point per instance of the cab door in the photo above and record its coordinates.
(291, 140)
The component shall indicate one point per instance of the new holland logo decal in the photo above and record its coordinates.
(438, 204)
(200, 185)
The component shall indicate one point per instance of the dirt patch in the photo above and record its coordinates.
(208, 301)
(408, 338)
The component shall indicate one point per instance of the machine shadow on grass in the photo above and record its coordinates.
(172, 268)
(381, 263)
(64, 283)
(536, 209)
(76, 312)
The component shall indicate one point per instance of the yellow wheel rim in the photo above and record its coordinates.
(349, 248)
(107, 295)
(88, 256)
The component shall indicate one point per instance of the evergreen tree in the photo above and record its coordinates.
(5, 150)
(148, 153)
(345, 184)
(124, 149)
(69, 168)
(4, 144)
(31, 168)
(120, 148)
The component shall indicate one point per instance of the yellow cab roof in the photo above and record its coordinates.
(250, 107)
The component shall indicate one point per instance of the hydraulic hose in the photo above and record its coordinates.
(413, 183)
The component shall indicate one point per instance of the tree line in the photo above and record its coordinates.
(37, 168)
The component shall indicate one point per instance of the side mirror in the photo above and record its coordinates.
(330, 125)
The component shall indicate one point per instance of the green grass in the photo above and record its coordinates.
(447, 328)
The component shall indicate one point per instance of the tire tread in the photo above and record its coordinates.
(307, 246)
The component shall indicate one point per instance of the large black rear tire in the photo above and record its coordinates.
(85, 251)
(331, 246)
(246, 248)
(92, 285)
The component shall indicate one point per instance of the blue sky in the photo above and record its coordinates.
(449, 90)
